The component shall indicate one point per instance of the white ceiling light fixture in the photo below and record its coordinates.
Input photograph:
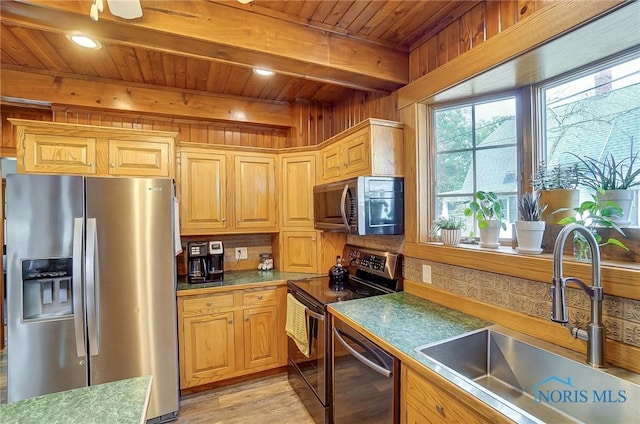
(126, 9)
(85, 41)
(245, 1)
(263, 72)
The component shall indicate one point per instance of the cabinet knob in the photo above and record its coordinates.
(247, 319)
(90, 164)
(440, 409)
(224, 219)
(260, 297)
(113, 165)
(230, 321)
(209, 303)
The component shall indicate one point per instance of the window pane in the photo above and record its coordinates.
(476, 149)
(453, 129)
(595, 115)
(453, 172)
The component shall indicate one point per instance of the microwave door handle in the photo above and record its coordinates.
(76, 286)
(343, 211)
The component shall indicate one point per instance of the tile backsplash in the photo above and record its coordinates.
(621, 316)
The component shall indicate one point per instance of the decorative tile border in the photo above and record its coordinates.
(621, 316)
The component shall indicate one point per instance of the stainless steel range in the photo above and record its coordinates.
(371, 273)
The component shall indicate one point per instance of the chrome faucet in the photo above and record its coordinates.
(594, 335)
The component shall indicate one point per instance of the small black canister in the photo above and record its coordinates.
(338, 276)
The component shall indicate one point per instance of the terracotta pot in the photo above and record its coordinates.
(556, 199)
(530, 234)
(490, 236)
(624, 199)
(451, 237)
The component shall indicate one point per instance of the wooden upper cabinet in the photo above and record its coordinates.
(221, 191)
(149, 159)
(52, 154)
(255, 191)
(55, 148)
(203, 191)
(298, 171)
(373, 147)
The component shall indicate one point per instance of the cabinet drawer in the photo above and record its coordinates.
(436, 405)
(207, 304)
(258, 297)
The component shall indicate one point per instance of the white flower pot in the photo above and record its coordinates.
(624, 199)
(451, 237)
(490, 236)
(529, 235)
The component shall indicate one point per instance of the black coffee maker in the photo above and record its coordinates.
(197, 261)
(215, 264)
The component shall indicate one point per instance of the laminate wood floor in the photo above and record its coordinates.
(268, 400)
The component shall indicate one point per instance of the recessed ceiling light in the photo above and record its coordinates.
(245, 1)
(263, 72)
(85, 41)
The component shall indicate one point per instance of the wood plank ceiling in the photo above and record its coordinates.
(321, 50)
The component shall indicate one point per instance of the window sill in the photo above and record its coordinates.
(618, 278)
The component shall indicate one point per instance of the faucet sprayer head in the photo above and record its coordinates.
(558, 303)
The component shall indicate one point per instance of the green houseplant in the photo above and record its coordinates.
(615, 178)
(594, 214)
(530, 227)
(487, 211)
(558, 190)
(450, 229)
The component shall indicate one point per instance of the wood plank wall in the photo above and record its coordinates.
(470, 30)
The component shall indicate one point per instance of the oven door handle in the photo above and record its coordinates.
(377, 368)
(315, 315)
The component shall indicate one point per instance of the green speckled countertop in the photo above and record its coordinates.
(121, 402)
(240, 278)
(406, 321)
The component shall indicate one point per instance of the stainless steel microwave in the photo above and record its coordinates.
(362, 205)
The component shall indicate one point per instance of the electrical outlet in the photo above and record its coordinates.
(241, 253)
(426, 274)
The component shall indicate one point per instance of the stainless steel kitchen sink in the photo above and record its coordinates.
(538, 378)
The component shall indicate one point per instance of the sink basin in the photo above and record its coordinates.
(537, 378)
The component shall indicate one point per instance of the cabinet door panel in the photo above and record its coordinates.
(301, 251)
(298, 179)
(203, 198)
(255, 192)
(59, 154)
(210, 346)
(331, 162)
(260, 337)
(138, 158)
(356, 155)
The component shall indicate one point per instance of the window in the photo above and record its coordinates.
(594, 113)
(475, 148)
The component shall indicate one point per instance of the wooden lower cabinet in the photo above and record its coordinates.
(435, 400)
(229, 334)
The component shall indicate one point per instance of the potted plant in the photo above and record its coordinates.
(615, 178)
(530, 228)
(594, 214)
(557, 188)
(450, 229)
(487, 211)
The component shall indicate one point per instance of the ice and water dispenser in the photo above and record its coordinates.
(46, 289)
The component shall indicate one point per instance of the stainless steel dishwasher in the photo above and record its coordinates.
(365, 379)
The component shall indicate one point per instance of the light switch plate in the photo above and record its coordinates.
(426, 274)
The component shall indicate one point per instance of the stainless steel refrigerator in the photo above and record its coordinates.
(91, 285)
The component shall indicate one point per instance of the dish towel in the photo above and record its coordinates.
(297, 324)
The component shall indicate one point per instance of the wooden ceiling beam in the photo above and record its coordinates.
(19, 83)
(213, 31)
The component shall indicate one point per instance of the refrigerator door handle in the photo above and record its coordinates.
(76, 280)
(92, 281)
